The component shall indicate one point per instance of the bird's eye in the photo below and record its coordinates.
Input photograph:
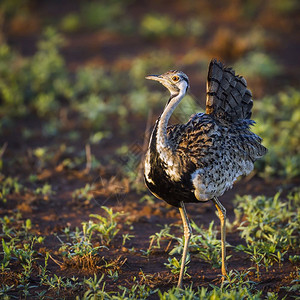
(175, 78)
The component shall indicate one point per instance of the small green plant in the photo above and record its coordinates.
(256, 254)
(158, 237)
(174, 265)
(43, 270)
(7, 224)
(18, 247)
(7, 256)
(81, 252)
(4, 290)
(204, 243)
(58, 283)
(294, 259)
(236, 279)
(45, 190)
(14, 231)
(114, 275)
(26, 257)
(136, 291)
(106, 229)
(84, 194)
(44, 156)
(95, 288)
(12, 228)
(73, 163)
(126, 237)
(9, 185)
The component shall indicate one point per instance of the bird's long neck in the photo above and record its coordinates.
(162, 138)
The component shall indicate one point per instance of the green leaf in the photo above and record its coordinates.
(6, 248)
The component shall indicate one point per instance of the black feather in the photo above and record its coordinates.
(227, 97)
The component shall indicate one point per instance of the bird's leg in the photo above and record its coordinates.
(187, 235)
(222, 215)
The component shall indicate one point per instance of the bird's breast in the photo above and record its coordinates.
(163, 186)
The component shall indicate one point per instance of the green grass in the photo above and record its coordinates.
(78, 250)
(203, 293)
(203, 243)
(269, 217)
(270, 228)
(18, 245)
(278, 123)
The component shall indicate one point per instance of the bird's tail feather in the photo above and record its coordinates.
(227, 95)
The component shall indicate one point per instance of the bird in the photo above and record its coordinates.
(201, 159)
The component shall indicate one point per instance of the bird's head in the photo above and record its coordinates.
(175, 81)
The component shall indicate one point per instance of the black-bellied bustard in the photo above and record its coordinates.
(198, 161)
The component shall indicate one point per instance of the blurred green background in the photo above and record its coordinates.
(72, 73)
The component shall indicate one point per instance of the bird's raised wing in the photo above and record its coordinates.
(227, 95)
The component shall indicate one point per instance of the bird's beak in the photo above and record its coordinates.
(154, 77)
(164, 81)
